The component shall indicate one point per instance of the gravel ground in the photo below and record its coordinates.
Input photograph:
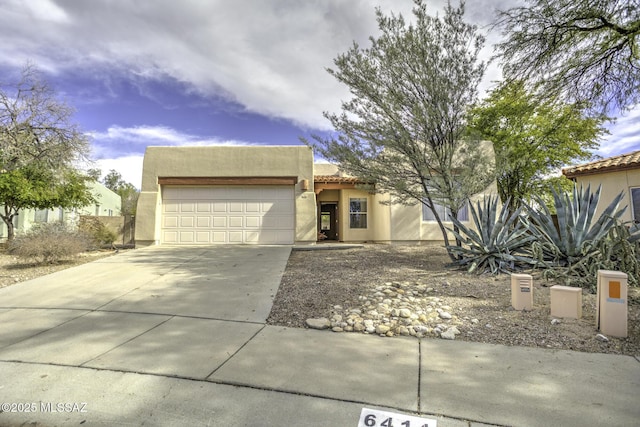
(315, 282)
(14, 270)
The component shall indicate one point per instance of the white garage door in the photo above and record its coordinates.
(234, 214)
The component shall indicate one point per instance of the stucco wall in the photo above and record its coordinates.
(249, 161)
(378, 217)
(108, 202)
(407, 224)
(612, 184)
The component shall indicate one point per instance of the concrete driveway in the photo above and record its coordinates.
(177, 311)
(176, 336)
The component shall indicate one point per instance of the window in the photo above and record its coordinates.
(97, 210)
(358, 213)
(41, 215)
(443, 213)
(635, 204)
(325, 221)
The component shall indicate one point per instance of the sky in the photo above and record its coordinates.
(210, 72)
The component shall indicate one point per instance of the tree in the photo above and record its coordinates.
(39, 145)
(36, 128)
(532, 139)
(36, 187)
(578, 50)
(127, 192)
(94, 174)
(404, 126)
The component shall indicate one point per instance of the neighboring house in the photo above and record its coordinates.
(107, 204)
(265, 195)
(615, 174)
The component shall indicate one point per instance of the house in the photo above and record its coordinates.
(265, 195)
(615, 174)
(107, 204)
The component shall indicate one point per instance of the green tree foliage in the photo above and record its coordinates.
(39, 145)
(403, 128)
(581, 50)
(532, 139)
(36, 187)
(127, 192)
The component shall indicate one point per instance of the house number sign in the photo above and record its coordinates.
(374, 418)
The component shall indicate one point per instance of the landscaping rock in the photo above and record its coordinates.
(602, 338)
(449, 334)
(382, 329)
(320, 323)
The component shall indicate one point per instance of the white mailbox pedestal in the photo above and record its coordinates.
(611, 303)
(522, 291)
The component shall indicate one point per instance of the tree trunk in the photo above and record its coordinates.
(8, 216)
(10, 231)
(445, 235)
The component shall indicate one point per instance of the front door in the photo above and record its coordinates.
(328, 221)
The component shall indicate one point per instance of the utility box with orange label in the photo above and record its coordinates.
(522, 291)
(611, 303)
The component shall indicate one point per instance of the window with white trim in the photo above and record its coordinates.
(443, 212)
(635, 204)
(357, 213)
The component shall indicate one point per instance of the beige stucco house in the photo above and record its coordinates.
(107, 204)
(265, 195)
(615, 174)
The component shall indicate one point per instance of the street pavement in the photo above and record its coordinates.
(169, 336)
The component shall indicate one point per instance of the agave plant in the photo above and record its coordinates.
(578, 233)
(498, 242)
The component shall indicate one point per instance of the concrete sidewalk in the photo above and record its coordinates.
(178, 338)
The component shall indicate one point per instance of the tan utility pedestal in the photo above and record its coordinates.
(522, 291)
(611, 303)
(566, 302)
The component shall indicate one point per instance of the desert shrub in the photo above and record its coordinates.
(581, 243)
(97, 232)
(499, 242)
(573, 250)
(579, 231)
(619, 251)
(49, 243)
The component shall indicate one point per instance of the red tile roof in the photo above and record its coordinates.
(611, 164)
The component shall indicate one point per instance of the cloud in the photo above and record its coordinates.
(129, 167)
(624, 137)
(116, 139)
(157, 135)
(268, 56)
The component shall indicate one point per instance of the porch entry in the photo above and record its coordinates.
(328, 221)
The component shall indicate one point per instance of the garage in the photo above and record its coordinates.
(198, 215)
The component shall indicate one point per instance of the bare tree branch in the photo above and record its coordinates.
(581, 51)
